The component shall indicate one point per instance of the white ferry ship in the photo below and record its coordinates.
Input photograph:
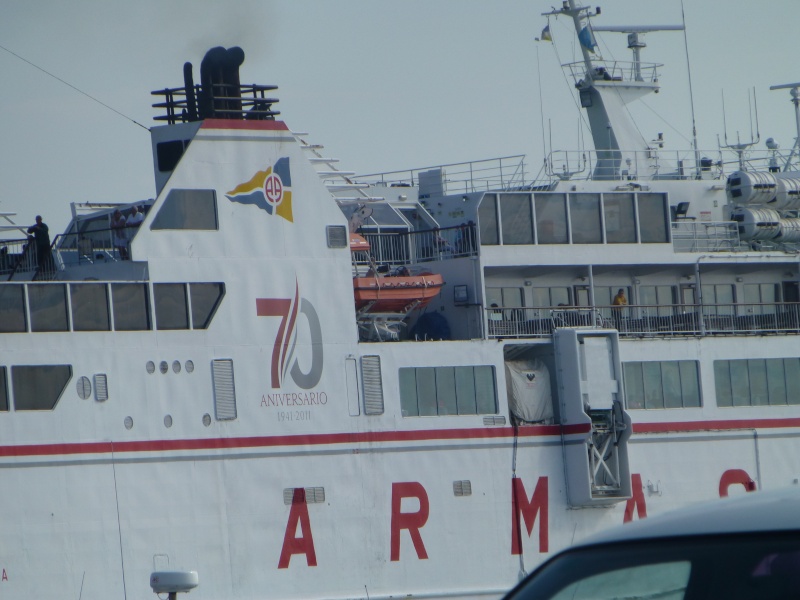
(287, 381)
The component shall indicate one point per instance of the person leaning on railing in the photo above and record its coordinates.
(619, 303)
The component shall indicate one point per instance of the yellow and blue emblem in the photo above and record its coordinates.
(269, 190)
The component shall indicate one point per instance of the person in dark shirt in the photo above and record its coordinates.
(41, 236)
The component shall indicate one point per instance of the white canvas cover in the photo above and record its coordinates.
(528, 388)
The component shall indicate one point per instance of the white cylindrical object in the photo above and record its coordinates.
(790, 230)
(757, 223)
(788, 194)
(751, 187)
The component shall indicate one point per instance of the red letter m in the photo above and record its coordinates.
(529, 510)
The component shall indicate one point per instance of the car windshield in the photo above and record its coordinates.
(745, 566)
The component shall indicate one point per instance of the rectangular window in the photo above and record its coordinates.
(584, 213)
(761, 298)
(39, 387)
(89, 307)
(653, 221)
(620, 218)
(131, 306)
(661, 384)
(551, 218)
(757, 382)
(487, 218)
(12, 308)
(439, 391)
(661, 296)
(188, 209)
(517, 218)
(206, 298)
(3, 390)
(48, 306)
(552, 296)
(170, 303)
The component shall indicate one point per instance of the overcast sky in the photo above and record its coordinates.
(382, 85)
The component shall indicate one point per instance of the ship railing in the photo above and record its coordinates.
(647, 321)
(409, 248)
(227, 101)
(17, 256)
(706, 236)
(615, 70)
(655, 163)
(89, 247)
(502, 173)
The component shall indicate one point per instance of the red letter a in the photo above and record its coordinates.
(735, 477)
(529, 511)
(637, 500)
(411, 521)
(298, 545)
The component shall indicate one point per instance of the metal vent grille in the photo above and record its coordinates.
(100, 387)
(500, 420)
(224, 391)
(373, 386)
(311, 495)
(84, 387)
(337, 236)
(462, 488)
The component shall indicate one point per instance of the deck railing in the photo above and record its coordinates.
(503, 173)
(639, 321)
(706, 236)
(409, 248)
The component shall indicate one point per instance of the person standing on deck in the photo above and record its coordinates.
(120, 237)
(41, 235)
(619, 302)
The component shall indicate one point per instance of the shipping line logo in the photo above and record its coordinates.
(269, 190)
(284, 362)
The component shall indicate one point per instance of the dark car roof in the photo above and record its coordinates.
(750, 512)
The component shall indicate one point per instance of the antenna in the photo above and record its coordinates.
(739, 147)
(635, 43)
(795, 93)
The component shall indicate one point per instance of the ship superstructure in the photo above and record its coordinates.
(302, 383)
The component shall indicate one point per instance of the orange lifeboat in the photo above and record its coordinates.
(396, 293)
(400, 293)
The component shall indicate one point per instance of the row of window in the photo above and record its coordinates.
(742, 382)
(760, 297)
(471, 390)
(44, 307)
(554, 218)
(439, 391)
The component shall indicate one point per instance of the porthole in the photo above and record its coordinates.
(168, 421)
(189, 366)
(176, 366)
(206, 419)
(151, 367)
(163, 367)
(84, 387)
(128, 422)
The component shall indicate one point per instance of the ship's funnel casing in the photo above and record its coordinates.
(614, 134)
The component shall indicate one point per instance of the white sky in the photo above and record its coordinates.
(383, 85)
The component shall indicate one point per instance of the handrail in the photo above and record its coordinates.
(642, 321)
